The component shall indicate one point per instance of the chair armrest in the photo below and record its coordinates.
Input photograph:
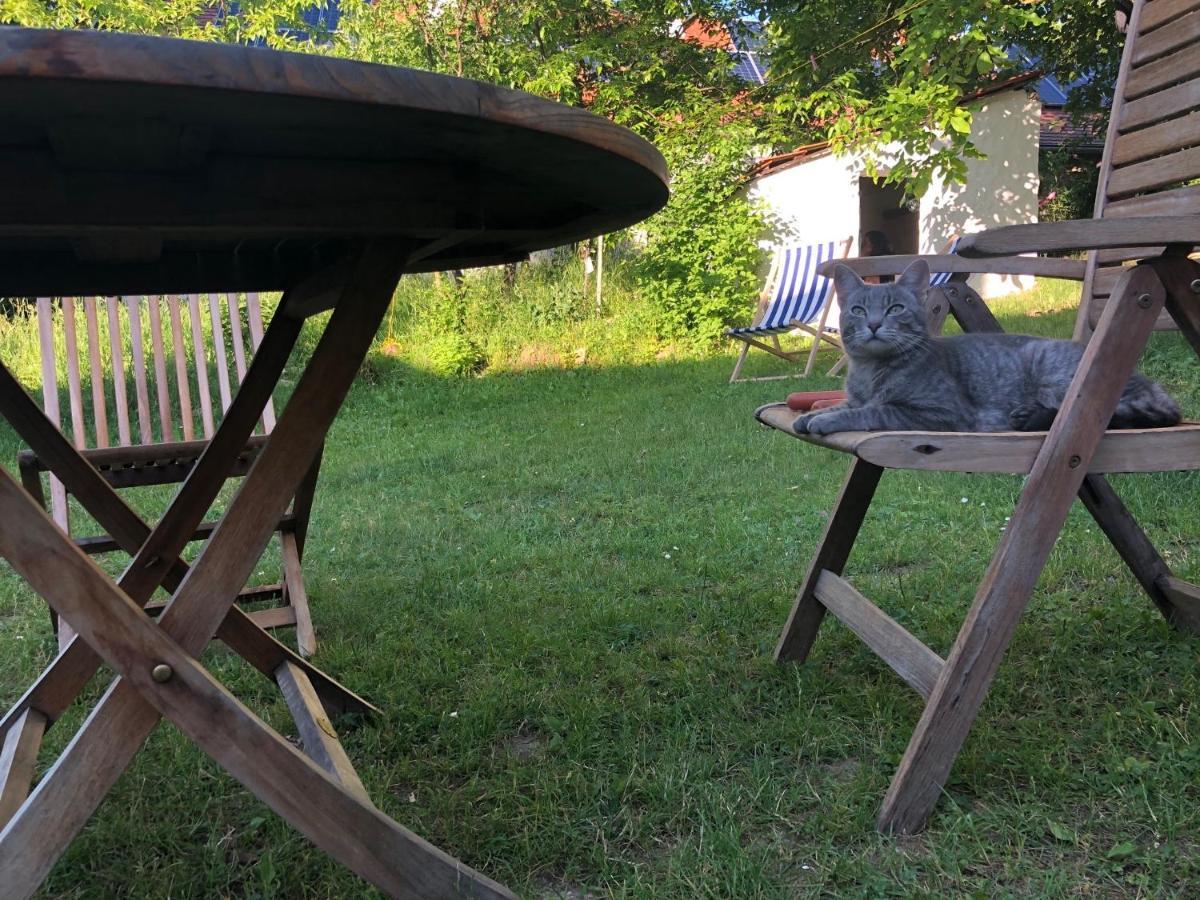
(1070, 269)
(1083, 234)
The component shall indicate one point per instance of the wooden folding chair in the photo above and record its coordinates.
(1147, 210)
(796, 298)
(190, 344)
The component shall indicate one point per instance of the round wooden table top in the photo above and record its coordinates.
(149, 165)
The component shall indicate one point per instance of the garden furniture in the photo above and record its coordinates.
(139, 165)
(796, 297)
(139, 449)
(1137, 276)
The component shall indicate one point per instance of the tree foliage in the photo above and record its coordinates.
(872, 72)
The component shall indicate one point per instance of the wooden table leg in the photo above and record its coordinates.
(160, 677)
(110, 737)
(1053, 483)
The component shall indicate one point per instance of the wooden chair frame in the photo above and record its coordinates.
(817, 332)
(1068, 461)
(1145, 213)
(141, 457)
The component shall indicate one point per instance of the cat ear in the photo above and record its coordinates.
(916, 279)
(846, 281)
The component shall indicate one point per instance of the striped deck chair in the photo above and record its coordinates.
(796, 298)
(170, 351)
(940, 278)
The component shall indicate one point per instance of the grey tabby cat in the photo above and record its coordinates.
(902, 379)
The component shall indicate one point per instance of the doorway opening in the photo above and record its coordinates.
(882, 207)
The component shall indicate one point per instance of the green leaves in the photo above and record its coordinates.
(866, 74)
(1062, 833)
(1123, 850)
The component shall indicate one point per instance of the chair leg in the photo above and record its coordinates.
(1128, 539)
(296, 596)
(1055, 480)
(840, 533)
(737, 367)
(812, 356)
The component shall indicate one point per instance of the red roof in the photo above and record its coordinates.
(709, 35)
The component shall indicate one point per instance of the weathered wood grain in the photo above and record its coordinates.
(18, 756)
(317, 735)
(906, 655)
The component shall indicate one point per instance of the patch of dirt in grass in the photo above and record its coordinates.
(405, 793)
(553, 887)
(842, 769)
(914, 845)
(527, 743)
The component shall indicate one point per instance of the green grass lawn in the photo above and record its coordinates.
(563, 588)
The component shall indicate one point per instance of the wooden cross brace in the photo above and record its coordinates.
(159, 674)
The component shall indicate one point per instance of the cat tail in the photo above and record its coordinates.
(1144, 404)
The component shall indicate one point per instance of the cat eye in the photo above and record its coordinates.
(858, 310)
(895, 309)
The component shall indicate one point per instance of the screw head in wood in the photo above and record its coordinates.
(162, 673)
(1196, 285)
(1144, 301)
(1074, 462)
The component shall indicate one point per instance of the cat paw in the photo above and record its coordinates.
(1031, 417)
(813, 423)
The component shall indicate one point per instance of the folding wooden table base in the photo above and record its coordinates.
(159, 674)
(954, 688)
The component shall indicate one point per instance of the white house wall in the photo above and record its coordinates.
(1000, 190)
(818, 198)
(814, 201)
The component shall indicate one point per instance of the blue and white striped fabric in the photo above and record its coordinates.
(799, 291)
(936, 278)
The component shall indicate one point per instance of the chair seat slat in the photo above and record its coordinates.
(254, 316)
(181, 370)
(138, 354)
(162, 391)
(1162, 171)
(220, 357)
(1165, 137)
(1134, 450)
(201, 365)
(117, 354)
(1160, 12)
(96, 373)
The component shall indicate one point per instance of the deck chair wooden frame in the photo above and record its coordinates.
(147, 443)
(1149, 160)
(752, 337)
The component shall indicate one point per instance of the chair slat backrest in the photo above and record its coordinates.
(798, 292)
(1152, 150)
(184, 353)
